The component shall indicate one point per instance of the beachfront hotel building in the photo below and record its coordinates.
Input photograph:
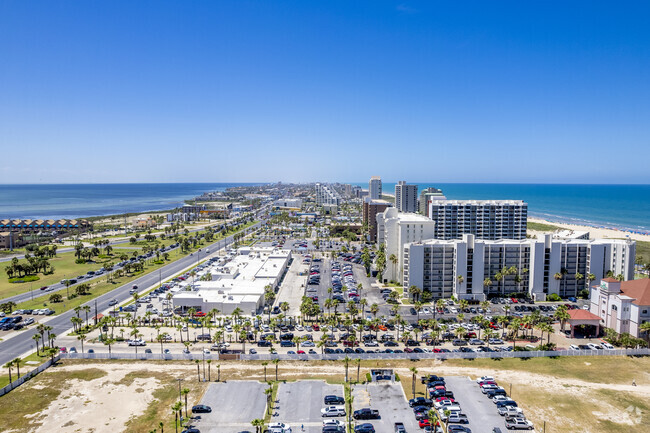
(326, 195)
(406, 197)
(427, 195)
(238, 280)
(374, 188)
(32, 226)
(622, 306)
(396, 229)
(462, 267)
(486, 219)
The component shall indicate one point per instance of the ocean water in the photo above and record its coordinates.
(615, 206)
(85, 200)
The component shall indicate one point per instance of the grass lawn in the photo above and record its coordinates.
(540, 227)
(24, 368)
(65, 267)
(643, 250)
(101, 285)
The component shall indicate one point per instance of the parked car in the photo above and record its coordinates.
(333, 399)
(366, 413)
(332, 411)
(201, 408)
(364, 428)
(519, 424)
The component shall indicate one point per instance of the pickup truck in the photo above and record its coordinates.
(366, 413)
(519, 424)
(399, 427)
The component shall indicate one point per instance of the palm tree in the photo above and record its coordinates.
(258, 424)
(184, 393)
(109, 342)
(81, 337)
(177, 407)
(276, 361)
(645, 329)
(562, 315)
(264, 364)
(415, 292)
(36, 338)
(415, 373)
(9, 365)
(394, 260)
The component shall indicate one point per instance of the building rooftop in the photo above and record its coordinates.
(582, 315)
(637, 289)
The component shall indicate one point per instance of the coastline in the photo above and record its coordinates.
(596, 232)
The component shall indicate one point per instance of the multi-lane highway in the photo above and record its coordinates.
(23, 342)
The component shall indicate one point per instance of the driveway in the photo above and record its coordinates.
(299, 403)
(234, 405)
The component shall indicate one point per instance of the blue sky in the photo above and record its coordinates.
(457, 91)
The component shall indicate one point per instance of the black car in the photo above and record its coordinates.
(201, 408)
(421, 408)
(455, 428)
(263, 343)
(191, 430)
(365, 428)
(420, 401)
(366, 413)
(333, 400)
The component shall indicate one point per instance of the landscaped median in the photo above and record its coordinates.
(101, 286)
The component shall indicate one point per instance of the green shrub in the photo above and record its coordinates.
(553, 297)
(25, 279)
(368, 377)
(397, 379)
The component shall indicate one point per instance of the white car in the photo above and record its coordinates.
(607, 346)
(332, 422)
(299, 328)
(519, 424)
(510, 411)
(485, 379)
(332, 411)
(593, 346)
(279, 427)
(574, 347)
(308, 344)
(426, 310)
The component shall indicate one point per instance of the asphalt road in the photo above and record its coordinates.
(22, 343)
(234, 405)
(388, 398)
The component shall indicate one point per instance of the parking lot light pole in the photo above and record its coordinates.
(179, 388)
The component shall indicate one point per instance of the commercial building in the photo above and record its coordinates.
(327, 195)
(396, 229)
(487, 219)
(238, 280)
(374, 188)
(372, 208)
(428, 195)
(288, 203)
(471, 268)
(622, 306)
(406, 197)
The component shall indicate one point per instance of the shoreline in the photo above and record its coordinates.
(595, 232)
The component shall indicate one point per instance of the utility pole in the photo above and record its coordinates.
(95, 312)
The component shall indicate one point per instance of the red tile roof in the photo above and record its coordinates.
(582, 315)
(610, 280)
(637, 289)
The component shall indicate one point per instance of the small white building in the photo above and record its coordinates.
(237, 281)
(622, 306)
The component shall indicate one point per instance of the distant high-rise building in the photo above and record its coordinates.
(370, 210)
(326, 195)
(374, 188)
(428, 195)
(406, 197)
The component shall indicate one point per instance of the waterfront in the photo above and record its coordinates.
(54, 201)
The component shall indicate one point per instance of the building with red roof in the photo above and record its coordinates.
(622, 305)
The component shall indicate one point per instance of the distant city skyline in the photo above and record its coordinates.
(231, 91)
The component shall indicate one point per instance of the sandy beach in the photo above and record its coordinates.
(595, 232)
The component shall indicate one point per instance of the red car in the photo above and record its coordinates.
(446, 398)
(514, 300)
(424, 423)
(44, 288)
(199, 314)
(301, 352)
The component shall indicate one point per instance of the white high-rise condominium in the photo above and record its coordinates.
(394, 230)
(374, 188)
(471, 268)
(326, 195)
(487, 219)
(406, 197)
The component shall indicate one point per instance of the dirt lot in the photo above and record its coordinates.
(580, 394)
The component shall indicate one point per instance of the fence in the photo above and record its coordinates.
(339, 356)
(24, 378)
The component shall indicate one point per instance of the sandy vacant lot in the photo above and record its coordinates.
(108, 396)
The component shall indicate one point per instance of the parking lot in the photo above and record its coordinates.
(234, 405)
(390, 401)
(300, 403)
(480, 410)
